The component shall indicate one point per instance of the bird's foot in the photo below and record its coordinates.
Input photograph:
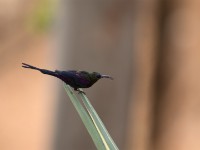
(80, 91)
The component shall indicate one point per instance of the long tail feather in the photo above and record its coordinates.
(44, 71)
(24, 65)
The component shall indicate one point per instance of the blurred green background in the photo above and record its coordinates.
(150, 47)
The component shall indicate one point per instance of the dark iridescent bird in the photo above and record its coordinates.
(76, 79)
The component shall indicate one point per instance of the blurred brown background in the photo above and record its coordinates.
(150, 47)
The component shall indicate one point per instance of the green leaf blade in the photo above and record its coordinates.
(88, 122)
(99, 124)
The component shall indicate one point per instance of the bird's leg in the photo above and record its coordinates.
(79, 91)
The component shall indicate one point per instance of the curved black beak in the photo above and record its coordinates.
(107, 76)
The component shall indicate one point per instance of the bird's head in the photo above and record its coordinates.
(96, 76)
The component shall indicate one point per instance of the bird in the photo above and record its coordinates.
(76, 79)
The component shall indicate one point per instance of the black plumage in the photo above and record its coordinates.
(76, 79)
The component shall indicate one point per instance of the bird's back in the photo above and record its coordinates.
(76, 79)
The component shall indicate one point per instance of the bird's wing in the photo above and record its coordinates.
(67, 74)
(75, 78)
(82, 79)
